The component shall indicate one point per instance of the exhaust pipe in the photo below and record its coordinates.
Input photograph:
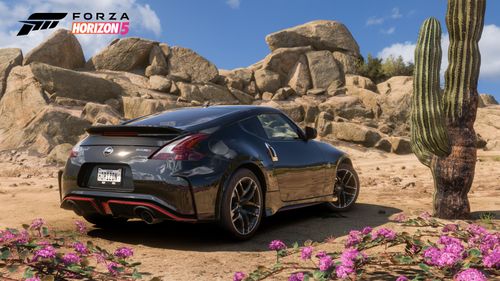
(73, 206)
(146, 215)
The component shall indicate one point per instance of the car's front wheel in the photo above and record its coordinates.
(242, 205)
(345, 189)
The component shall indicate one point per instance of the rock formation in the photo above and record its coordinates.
(46, 100)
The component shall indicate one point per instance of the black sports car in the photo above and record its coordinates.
(231, 164)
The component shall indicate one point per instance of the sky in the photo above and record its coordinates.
(231, 33)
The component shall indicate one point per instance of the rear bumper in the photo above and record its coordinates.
(120, 205)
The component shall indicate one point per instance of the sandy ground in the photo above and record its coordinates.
(175, 251)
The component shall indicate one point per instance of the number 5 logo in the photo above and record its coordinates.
(124, 28)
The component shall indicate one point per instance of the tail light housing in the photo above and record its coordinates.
(182, 149)
(75, 151)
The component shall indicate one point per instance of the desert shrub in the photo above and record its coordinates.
(36, 253)
(437, 251)
(379, 70)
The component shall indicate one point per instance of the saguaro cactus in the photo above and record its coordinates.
(442, 132)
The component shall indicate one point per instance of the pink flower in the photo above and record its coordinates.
(385, 233)
(401, 217)
(425, 215)
(296, 277)
(450, 228)
(402, 278)
(343, 272)
(81, 227)
(353, 239)
(32, 279)
(450, 254)
(71, 258)
(492, 260)
(37, 224)
(124, 252)
(306, 253)
(325, 263)
(238, 276)
(321, 254)
(470, 274)
(112, 268)
(47, 252)
(277, 245)
(366, 230)
(80, 248)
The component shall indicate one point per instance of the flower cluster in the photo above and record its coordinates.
(38, 252)
(450, 252)
(277, 245)
(350, 260)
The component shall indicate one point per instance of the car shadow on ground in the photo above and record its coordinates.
(312, 223)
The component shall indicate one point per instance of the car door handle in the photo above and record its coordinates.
(272, 152)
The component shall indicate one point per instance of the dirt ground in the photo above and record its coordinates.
(175, 251)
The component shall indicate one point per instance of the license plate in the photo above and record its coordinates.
(108, 176)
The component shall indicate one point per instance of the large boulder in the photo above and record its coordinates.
(24, 97)
(60, 49)
(348, 62)
(283, 60)
(360, 82)
(183, 60)
(239, 78)
(267, 80)
(299, 78)
(157, 62)
(369, 98)
(395, 98)
(60, 82)
(294, 110)
(324, 69)
(346, 106)
(127, 54)
(355, 133)
(60, 153)
(50, 127)
(215, 94)
(137, 107)
(320, 34)
(400, 145)
(9, 57)
(100, 114)
(242, 97)
(160, 83)
(486, 100)
(488, 126)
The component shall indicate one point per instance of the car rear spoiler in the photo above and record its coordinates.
(140, 131)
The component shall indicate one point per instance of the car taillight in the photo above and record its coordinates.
(181, 149)
(75, 151)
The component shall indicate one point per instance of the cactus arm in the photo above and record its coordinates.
(465, 20)
(428, 129)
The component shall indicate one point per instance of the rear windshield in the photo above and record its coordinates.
(182, 118)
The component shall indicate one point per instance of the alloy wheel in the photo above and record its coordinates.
(345, 189)
(246, 201)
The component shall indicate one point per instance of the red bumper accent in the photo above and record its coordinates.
(107, 210)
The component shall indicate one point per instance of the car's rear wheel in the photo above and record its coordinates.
(104, 221)
(345, 189)
(242, 205)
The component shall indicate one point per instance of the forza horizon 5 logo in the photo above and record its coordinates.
(83, 23)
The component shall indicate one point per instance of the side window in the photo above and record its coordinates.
(277, 127)
(252, 125)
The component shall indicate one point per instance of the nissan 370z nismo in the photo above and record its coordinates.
(230, 164)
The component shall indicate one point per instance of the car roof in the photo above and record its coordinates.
(220, 114)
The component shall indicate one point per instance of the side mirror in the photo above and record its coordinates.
(311, 133)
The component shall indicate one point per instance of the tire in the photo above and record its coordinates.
(345, 190)
(242, 205)
(104, 221)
